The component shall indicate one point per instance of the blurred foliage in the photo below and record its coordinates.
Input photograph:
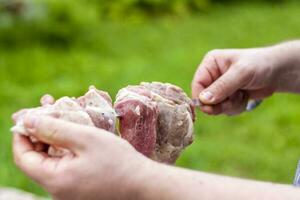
(121, 8)
(62, 22)
(53, 22)
(66, 22)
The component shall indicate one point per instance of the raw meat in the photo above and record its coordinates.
(98, 105)
(167, 116)
(92, 109)
(138, 118)
(156, 118)
(65, 108)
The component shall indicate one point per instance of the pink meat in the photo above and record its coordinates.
(138, 121)
(92, 109)
(64, 108)
(157, 119)
(98, 105)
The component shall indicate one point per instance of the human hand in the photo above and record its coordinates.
(101, 165)
(226, 79)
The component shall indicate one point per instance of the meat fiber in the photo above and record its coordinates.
(156, 111)
(138, 118)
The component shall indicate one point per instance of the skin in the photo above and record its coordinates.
(226, 79)
(104, 166)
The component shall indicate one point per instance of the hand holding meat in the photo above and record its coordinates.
(92, 109)
(104, 166)
(156, 118)
(98, 168)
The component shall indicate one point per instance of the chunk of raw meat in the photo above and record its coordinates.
(138, 118)
(171, 126)
(156, 118)
(98, 105)
(65, 108)
(92, 109)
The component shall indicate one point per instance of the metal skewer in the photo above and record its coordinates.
(297, 176)
(197, 102)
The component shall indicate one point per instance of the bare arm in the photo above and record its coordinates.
(104, 166)
(167, 182)
(288, 57)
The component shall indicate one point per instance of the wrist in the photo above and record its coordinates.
(286, 62)
(144, 179)
(152, 181)
(140, 178)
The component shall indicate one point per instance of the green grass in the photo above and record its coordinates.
(261, 145)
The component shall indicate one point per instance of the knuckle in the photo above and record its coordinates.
(48, 130)
(244, 68)
(53, 133)
(214, 52)
(211, 54)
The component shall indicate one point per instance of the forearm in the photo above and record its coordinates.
(166, 182)
(287, 61)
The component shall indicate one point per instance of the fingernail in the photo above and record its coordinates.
(30, 121)
(206, 96)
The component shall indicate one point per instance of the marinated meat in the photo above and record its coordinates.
(172, 125)
(156, 118)
(92, 109)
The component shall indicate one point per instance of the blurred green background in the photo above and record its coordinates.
(63, 46)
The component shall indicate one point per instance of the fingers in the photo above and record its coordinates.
(60, 133)
(205, 74)
(230, 82)
(214, 64)
(17, 114)
(27, 159)
(234, 105)
(47, 100)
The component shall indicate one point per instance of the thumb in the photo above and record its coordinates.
(58, 132)
(231, 81)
